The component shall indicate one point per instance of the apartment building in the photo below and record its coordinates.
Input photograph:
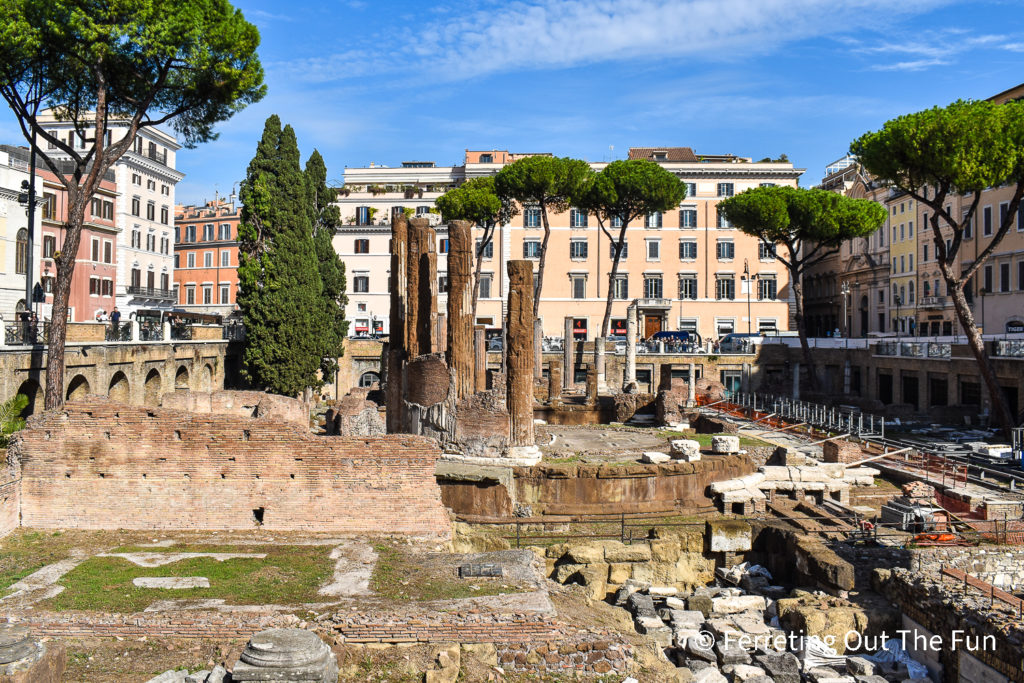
(146, 178)
(206, 257)
(903, 275)
(15, 256)
(687, 268)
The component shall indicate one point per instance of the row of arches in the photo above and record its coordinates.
(119, 387)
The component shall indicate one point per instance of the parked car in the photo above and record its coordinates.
(736, 342)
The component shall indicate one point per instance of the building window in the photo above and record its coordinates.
(578, 250)
(208, 232)
(988, 280)
(94, 286)
(422, 210)
(531, 249)
(362, 215)
(165, 281)
(1004, 277)
(225, 232)
(190, 260)
(443, 248)
(577, 218)
(225, 258)
(1020, 276)
(49, 206)
(136, 277)
(766, 252)
(488, 250)
(486, 158)
(485, 285)
(652, 287)
(687, 218)
(725, 287)
(225, 294)
(687, 250)
(442, 283)
(208, 259)
(616, 221)
(136, 179)
(924, 252)
(49, 245)
(95, 250)
(986, 221)
(362, 246)
(622, 287)
(177, 261)
(688, 286)
(190, 295)
(653, 220)
(579, 286)
(151, 242)
(207, 295)
(725, 189)
(150, 211)
(726, 250)
(691, 189)
(190, 233)
(767, 288)
(164, 215)
(531, 217)
(108, 251)
(653, 250)
(767, 325)
(615, 247)
(722, 221)
(361, 283)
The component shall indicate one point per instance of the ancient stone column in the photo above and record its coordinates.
(745, 379)
(519, 327)
(567, 364)
(665, 377)
(796, 381)
(460, 356)
(631, 325)
(426, 319)
(591, 385)
(412, 285)
(286, 654)
(397, 333)
(480, 357)
(599, 364)
(440, 339)
(554, 380)
(691, 390)
(538, 349)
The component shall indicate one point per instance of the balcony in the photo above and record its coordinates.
(662, 304)
(932, 302)
(151, 292)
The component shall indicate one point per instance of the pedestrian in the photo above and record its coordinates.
(115, 316)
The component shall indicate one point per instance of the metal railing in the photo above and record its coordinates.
(1008, 348)
(151, 332)
(914, 349)
(119, 332)
(233, 332)
(26, 334)
(826, 418)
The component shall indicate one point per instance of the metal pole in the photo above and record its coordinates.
(31, 221)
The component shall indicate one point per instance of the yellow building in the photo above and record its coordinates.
(902, 230)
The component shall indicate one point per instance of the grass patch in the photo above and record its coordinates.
(705, 439)
(401, 575)
(24, 551)
(288, 575)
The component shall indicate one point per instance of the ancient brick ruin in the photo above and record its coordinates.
(96, 464)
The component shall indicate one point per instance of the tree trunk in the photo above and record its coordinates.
(599, 350)
(484, 241)
(1000, 407)
(801, 327)
(54, 396)
(543, 259)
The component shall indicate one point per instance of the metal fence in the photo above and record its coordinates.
(827, 418)
(26, 333)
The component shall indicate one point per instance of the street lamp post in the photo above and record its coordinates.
(746, 277)
(845, 290)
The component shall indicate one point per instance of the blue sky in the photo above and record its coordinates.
(387, 81)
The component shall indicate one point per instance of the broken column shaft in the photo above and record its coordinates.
(397, 334)
(519, 328)
(460, 357)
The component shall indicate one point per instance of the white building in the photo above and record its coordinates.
(146, 179)
(14, 255)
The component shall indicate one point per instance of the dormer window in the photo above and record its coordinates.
(660, 155)
(486, 158)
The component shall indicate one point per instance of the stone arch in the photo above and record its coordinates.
(119, 390)
(78, 387)
(151, 388)
(368, 379)
(205, 379)
(33, 391)
(181, 379)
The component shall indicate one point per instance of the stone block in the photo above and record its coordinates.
(674, 603)
(566, 572)
(619, 572)
(858, 666)
(218, 675)
(699, 603)
(698, 649)
(730, 653)
(725, 445)
(729, 536)
(783, 668)
(615, 551)
(198, 676)
(665, 549)
(170, 677)
(685, 449)
(740, 603)
(26, 660)
(662, 591)
(289, 654)
(742, 673)
(687, 618)
(709, 675)
(641, 605)
(654, 457)
(585, 553)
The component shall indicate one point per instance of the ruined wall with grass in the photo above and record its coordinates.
(10, 493)
(101, 465)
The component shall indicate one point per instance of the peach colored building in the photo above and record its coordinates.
(687, 268)
(206, 257)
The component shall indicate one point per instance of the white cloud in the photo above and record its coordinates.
(913, 65)
(545, 34)
(932, 48)
(1014, 47)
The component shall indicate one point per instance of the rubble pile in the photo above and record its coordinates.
(733, 634)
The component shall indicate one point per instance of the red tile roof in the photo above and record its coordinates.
(671, 153)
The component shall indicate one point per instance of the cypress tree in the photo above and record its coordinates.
(325, 219)
(280, 292)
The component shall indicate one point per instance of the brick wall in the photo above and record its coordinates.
(239, 403)
(10, 493)
(102, 465)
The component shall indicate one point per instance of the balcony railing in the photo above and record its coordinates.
(151, 292)
(933, 302)
(914, 349)
(1009, 348)
(26, 334)
(654, 302)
